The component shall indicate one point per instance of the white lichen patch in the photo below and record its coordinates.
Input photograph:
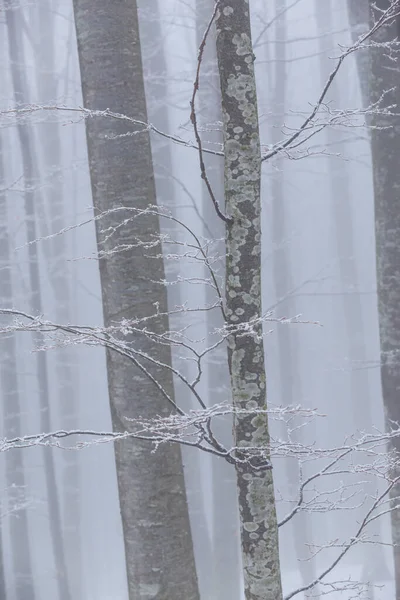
(241, 87)
(228, 10)
(251, 526)
(242, 43)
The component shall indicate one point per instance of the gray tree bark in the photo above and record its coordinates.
(242, 174)
(385, 146)
(158, 544)
(31, 171)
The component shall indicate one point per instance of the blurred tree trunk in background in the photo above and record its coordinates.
(59, 277)
(372, 558)
(157, 90)
(242, 175)
(31, 178)
(226, 566)
(358, 12)
(23, 584)
(158, 543)
(290, 388)
(385, 146)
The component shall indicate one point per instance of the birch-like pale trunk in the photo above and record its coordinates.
(242, 175)
(385, 147)
(158, 544)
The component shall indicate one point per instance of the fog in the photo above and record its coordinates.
(318, 288)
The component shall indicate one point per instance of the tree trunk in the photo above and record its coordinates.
(158, 544)
(30, 170)
(242, 174)
(384, 79)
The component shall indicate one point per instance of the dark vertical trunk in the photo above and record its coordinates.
(158, 543)
(30, 169)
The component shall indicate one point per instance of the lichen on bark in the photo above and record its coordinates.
(259, 532)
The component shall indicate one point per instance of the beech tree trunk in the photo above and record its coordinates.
(158, 543)
(242, 174)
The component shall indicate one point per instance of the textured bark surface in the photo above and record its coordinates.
(385, 147)
(158, 545)
(259, 534)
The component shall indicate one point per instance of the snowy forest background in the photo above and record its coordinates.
(318, 279)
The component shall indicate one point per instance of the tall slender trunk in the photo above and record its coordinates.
(385, 147)
(158, 543)
(226, 580)
(59, 279)
(30, 170)
(11, 410)
(242, 174)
